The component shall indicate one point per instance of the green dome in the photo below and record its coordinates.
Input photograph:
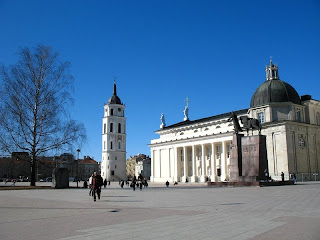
(273, 91)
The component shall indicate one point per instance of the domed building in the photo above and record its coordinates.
(199, 150)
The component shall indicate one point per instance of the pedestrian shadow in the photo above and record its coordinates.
(227, 204)
(114, 196)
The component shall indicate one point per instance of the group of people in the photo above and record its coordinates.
(138, 182)
(96, 182)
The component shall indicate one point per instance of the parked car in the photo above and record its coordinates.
(71, 179)
(49, 179)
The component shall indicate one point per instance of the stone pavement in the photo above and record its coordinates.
(188, 211)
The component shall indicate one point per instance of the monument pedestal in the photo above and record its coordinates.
(248, 158)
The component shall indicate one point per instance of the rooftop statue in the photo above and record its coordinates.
(185, 112)
(163, 123)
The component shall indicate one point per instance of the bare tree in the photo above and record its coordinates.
(35, 95)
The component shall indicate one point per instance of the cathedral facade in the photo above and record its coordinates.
(199, 150)
(113, 163)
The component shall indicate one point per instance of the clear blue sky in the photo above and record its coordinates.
(162, 51)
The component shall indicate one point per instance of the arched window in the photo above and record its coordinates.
(111, 127)
(111, 112)
(119, 128)
(318, 119)
(110, 145)
(119, 145)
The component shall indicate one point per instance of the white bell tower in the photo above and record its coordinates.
(113, 163)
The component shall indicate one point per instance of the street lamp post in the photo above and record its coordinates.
(78, 150)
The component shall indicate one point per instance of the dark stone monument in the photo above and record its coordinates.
(248, 156)
(60, 177)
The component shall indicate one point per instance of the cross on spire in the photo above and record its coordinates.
(187, 101)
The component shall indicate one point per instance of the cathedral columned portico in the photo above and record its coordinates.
(199, 162)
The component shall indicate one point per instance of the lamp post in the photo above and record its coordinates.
(78, 150)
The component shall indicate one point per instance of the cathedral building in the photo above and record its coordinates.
(199, 150)
(113, 164)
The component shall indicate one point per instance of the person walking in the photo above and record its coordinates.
(140, 181)
(90, 185)
(96, 185)
(282, 176)
(105, 183)
(167, 183)
(134, 180)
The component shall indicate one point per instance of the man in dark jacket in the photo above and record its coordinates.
(97, 182)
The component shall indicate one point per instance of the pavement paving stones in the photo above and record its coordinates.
(185, 211)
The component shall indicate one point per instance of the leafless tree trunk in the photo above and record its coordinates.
(35, 94)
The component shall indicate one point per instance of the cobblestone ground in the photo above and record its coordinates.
(189, 211)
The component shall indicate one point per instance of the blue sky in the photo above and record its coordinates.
(213, 52)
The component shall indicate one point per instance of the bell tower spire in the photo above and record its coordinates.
(114, 86)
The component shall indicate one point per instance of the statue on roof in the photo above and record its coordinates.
(186, 111)
(163, 123)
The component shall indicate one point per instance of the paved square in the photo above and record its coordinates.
(179, 212)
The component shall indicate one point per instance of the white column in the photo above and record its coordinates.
(159, 163)
(175, 170)
(170, 174)
(185, 164)
(152, 165)
(223, 163)
(213, 164)
(193, 158)
(203, 168)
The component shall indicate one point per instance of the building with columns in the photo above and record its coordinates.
(113, 163)
(199, 150)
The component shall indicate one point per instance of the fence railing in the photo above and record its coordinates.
(307, 177)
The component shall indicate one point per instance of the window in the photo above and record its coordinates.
(111, 127)
(298, 116)
(119, 145)
(228, 149)
(116, 158)
(104, 144)
(318, 119)
(112, 173)
(111, 112)
(115, 166)
(104, 128)
(218, 151)
(208, 150)
(302, 142)
(119, 128)
(261, 117)
(110, 145)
